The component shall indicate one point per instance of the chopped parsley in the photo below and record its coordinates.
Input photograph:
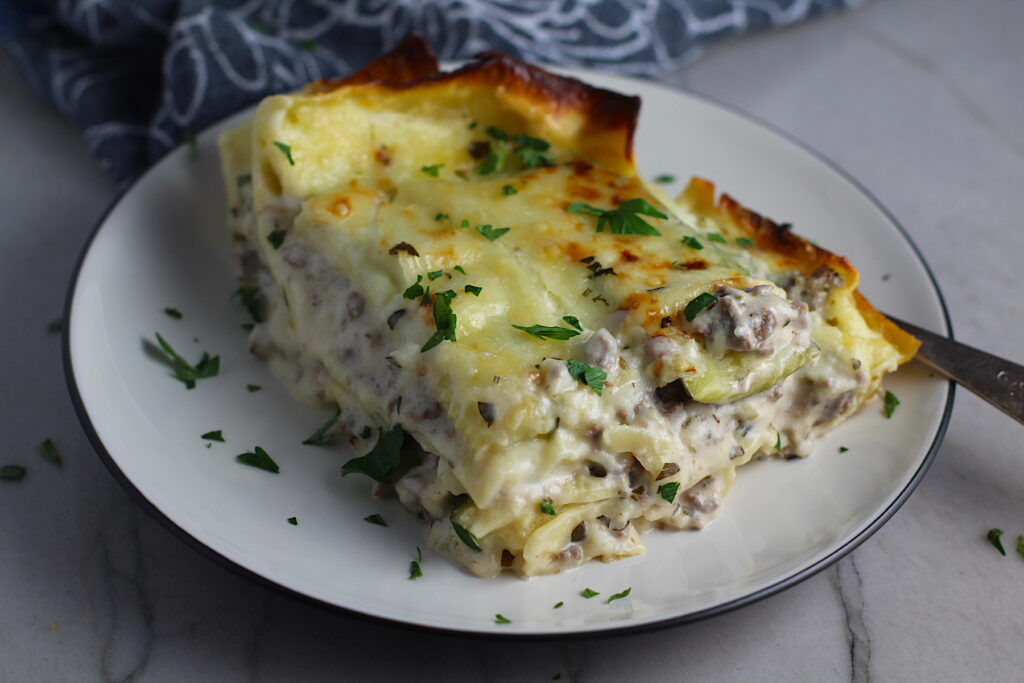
(692, 242)
(843, 449)
(715, 237)
(252, 387)
(664, 178)
(173, 313)
(320, 436)
(885, 278)
(491, 233)
(548, 332)
(375, 519)
(464, 223)
(1020, 546)
(497, 152)
(259, 458)
(744, 241)
(414, 567)
(533, 152)
(55, 325)
(499, 619)
(48, 451)
(558, 604)
(472, 125)
(443, 217)
(247, 295)
(216, 435)
(431, 170)
(624, 220)
(588, 593)
(778, 441)
(286, 150)
(460, 269)
(474, 290)
(668, 491)
(276, 238)
(294, 521)
(587, 374)
(993, 537)
(444, 318)
(698, 304)
(387, 461)
(547, 508)
(184, 371)
(12, 473)
(574, 321)
(619, 596)
(890, 404)
(415, 289)
(434, 274)
(466, 536)
(508, 190)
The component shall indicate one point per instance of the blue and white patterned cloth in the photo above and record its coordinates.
(136, 76)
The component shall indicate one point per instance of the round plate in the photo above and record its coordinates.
(163, 244)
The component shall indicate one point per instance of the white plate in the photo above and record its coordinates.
(163, 243)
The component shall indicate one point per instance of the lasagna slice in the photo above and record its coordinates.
(539, 353)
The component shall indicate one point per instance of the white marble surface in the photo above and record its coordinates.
(921, 100)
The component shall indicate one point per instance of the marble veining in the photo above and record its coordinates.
(848, 586)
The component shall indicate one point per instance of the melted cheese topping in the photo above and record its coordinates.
(381, 189)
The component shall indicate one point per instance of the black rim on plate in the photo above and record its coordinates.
(729, 606)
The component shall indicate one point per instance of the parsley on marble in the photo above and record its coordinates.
(415, 571)
(48, 450)
(587, 374)
(216, 435)
(491, 232)
(466, 536)
(993, 537)
(432, 170)
(558, 604)
(444, 319)
(259, 458)
(320, 437)
(286, 150)
(624, 220)
(698, 304)
(890, 404)
(588, 593)
(12, 473)
(619, 596)
(276, 238)
(173, 313)
(387, 461)
(375, 519)
(548, 332)
(668, 491)
(184, 371)
(547, 508)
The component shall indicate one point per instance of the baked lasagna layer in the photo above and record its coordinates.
(541, 354)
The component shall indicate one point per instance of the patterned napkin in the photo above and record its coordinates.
(139, 76)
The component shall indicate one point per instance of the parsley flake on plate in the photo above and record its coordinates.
(843, 449)
(12, 473)
(558, 604)
(587, 374)
(415, 571)
(491, 232)
(993, 537)
(664, 178)
(48, 450)
(184, 371)
(698, 304)
(588, 593)
(286, 150)
(173, 313)
(259, 458)
(294, 521)
(624, 220)
(216, 435)
(466, 536)
(548, 332)
(668, 491)
(320, 437)
(252, 387)
(619, 596)
(547, 508)
(499, 619)
(890, 404)
(375, 519)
